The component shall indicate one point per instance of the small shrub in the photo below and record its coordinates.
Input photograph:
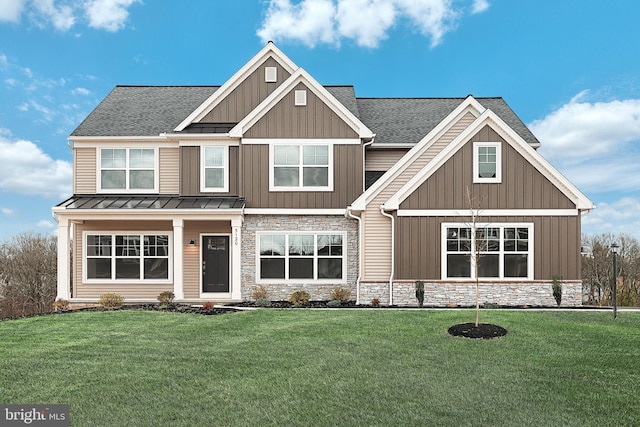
(340, 294)
(298, 298)
(375, 302)
(491, 305)
(260, 292)
(166, 298)
(334, 303)
(557, 289)
(207, 306)
(420, 292)
(60, 305)
(263, 302)
(111, 300)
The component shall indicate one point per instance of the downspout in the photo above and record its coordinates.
(360, 257)
(393, 256)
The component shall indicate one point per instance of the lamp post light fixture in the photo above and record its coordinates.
(614, 248)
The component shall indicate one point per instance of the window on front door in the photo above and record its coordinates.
(128, 169)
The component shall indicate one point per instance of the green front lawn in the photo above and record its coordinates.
(326, 367)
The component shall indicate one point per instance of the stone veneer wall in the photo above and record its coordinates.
(463, 294)
(287, 223)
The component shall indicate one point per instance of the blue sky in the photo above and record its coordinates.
(570, 69)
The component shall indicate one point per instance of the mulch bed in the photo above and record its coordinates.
(174, 308)
(482, 331)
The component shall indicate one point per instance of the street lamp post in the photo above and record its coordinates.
(614, 249)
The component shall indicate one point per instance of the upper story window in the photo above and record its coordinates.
(300, 98)
(214, 172)
(270, 74)
(128, 170)
(487, 162)
(301, 167)
(504, 251)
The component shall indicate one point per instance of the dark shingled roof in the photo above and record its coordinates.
(408, 120)
(143, 110)
(152, 110)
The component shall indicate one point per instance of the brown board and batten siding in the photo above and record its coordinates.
(347, 181)
(244, 98)
(190, 172)
(522, 186)
(556, 245)
(314, 120)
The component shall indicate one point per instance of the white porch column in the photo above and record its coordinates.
(64, 266)
(178, 258)
(236, 257)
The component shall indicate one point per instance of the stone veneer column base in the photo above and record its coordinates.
(463, 294)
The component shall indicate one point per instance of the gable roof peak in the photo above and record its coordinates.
(268, 51)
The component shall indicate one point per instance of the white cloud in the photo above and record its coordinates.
(596, 144)
(367, 22)
(81, 91)
(109, 15)
(47, 114)
(8, 212)
(379, 15)
(11, 10)
(479, 6)
(26, 169)
(60, 16)
(48, 224)
(618, 217)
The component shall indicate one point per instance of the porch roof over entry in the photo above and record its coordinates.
(151, 202)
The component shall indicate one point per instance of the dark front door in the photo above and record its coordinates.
(215, 264)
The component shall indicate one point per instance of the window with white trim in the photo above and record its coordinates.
(128, 169)
(301, 167)
(301, 256)
(214, 168)
(300, 98)
(127, 257)
(487, 162)
(270, 74)
(504, 251)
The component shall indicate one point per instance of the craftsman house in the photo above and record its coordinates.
(274, 179)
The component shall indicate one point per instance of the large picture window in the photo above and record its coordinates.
(214, 161)
(504, 251)
(128, 169)
(131, 257)
(296, 167)
(301, 256)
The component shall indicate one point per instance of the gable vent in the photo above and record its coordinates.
(301, 97)
(270, 74)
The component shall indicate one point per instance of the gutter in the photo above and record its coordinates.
(393, 239)
(349, 214)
